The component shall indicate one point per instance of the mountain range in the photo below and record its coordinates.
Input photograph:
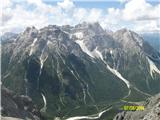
(80, 72)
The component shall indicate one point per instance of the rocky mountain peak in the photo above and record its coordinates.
(128, 39)
(123, 30)
(90, 28)
(67, 28)
(30, 32)
(8, 36)
(129, 36)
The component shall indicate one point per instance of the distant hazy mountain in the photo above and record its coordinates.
(153, 39)
(80, 70)
(8, 36)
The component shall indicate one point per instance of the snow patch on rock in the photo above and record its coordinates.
(45, 103)
(79, 35)
(153, 67)
(84, 48)
(32, 46)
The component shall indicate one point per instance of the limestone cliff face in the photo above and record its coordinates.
(151, 111)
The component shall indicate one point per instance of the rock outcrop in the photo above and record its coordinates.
(18, 107)
(151, 111)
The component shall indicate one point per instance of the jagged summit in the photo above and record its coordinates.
(28, 29)
(129, 39)
(90, 28)
(88, 25)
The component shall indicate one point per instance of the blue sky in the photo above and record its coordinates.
(94, 4)
(103, 4)
(137, 15)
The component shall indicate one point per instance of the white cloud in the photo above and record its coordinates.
(5, 3)
(80, 14)
(66, 4)
(147, 26)
(123, 1)
(36, 2)
(94, 15)
(135, 12)
(143, 15)
(139, 9)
